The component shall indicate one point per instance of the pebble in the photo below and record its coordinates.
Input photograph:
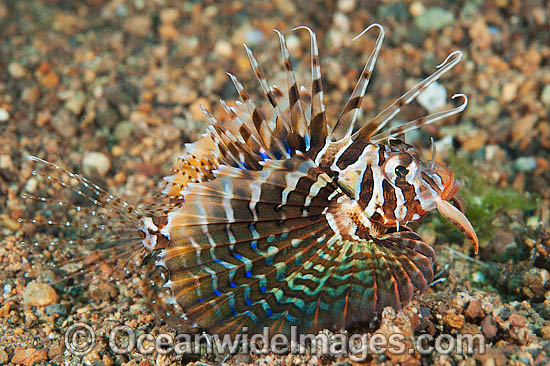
(106, 115)
(31, 94)
(50, 80)
(509, 92)
(123, 130)
(169, 15)
(474, 142)
(139, 25)
(525, 164)
(491, 357)
(342, 22)
(56, 309)
(29, 356)
(416, 8)
(183, 94)
(535, 282)
(545, 95)
(523, 127)
(479, 277)
(39, 294)
(76, 102)
(96, 163)
(489, 327)
(4, 115)
(43, 117)
(16, 70)
(492, 110)
(108, 361)
(495, 153)
(517, 320)
(31, 185)
(64, 123)
(454, 320)
(346, 5)
(169, 32)
(474, 310)
(433, 98)
(223, 48)
(480, 35)
(121, 93)
(55, 351)
(253, 37)
(434, 18)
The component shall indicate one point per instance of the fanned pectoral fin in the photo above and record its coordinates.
(255, 249)
(374, 274)
(236, 239)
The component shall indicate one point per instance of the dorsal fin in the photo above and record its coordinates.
(378, 122)
(299, 123)
(318, 128)
(346, 121)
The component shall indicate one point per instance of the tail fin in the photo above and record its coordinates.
(86, 232)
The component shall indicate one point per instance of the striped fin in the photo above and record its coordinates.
(280, 122)
(235, 237)
(94, 234)
(298, 119)
(346, 121)
(370, 275)
(378, 122)
(318, 121)
(274, 147)
(257, 248)
(417, 123)
(226, 144)
(239, 127)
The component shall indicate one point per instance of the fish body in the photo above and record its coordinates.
(280, 218)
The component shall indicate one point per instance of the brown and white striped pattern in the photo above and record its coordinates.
(314, 232)
(276, 220)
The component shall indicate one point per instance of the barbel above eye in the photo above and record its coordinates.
(400, 167)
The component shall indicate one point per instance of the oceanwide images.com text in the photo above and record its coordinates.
(80, 339)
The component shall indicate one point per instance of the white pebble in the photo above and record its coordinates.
(254, 37)
(31, 185)
(341, 21)
(433, 97)
(416, 8)
(223, 48)
(526, 163)
(16, 70)
(96, 162)
(346, 5)
(4, 115)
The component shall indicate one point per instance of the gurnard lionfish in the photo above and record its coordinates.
(278, 217)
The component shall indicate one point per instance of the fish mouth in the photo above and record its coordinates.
(455, 215)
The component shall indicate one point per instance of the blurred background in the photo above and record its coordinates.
(112, 89)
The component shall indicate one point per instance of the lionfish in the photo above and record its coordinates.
(279, 218)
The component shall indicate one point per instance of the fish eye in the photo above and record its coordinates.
(401, 171)
(400, 167)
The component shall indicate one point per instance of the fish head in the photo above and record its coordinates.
(413, 187)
